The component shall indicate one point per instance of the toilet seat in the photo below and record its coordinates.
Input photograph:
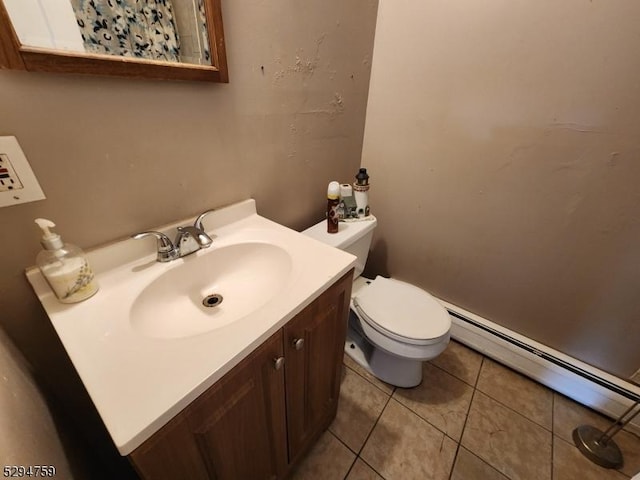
(402, 311)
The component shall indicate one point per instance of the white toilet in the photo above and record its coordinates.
(393, 326)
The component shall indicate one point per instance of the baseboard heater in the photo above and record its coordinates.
(573, 378)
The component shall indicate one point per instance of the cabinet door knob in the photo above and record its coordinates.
(278, 363)
(298, 343)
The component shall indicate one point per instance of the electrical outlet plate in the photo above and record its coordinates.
(18, 184)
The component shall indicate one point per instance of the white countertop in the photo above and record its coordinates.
(139, 383)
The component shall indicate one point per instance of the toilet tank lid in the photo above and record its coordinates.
(403, 309)
(348, 232)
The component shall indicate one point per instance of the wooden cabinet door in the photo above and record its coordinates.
(235, 430)
(169, 454)
(314, 345)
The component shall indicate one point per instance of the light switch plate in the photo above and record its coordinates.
(18, 184)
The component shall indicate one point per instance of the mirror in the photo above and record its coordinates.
(170, 39)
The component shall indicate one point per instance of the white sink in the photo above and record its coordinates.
(145, 346)
(211, 291)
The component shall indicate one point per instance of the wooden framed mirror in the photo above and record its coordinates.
(89, 55)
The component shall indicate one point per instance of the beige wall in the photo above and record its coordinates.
(503, 143)
(117, 156)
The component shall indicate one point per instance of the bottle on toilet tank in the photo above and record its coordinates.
(361, 192)
(333, 199)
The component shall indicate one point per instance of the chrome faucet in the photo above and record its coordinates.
(191, 239)
(198, 222)
(188, 240)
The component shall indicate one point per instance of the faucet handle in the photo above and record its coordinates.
(198, 234)
(164, 243)
(198, 222)
(166, 249)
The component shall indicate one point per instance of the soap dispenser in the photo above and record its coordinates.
(64, 266)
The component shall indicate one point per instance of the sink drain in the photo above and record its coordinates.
(212, 300)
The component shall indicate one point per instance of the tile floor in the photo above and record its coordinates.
(470, 419)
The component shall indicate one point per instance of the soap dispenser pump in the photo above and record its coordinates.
(64, 266)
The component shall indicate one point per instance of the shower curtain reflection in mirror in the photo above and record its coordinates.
(139, 28)
(130, 28)
(162, 30)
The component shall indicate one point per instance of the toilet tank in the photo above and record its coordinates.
(352, 237)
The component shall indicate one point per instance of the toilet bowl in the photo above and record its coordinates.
(393, 326)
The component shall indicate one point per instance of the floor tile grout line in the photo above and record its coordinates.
(374, 425)
(460, 445)
(389, 395)
(550, 430)
(427, 421)
(356, 455)
(393, 388)
(553, 444)
(355, 459)
(475, 384)
(507, 406)
(371, 467)
(369, 436)
(454, 375)
(341, 441)
(464, 425)
(486, 463)
(522, 416)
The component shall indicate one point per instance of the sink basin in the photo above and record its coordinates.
(207, 292)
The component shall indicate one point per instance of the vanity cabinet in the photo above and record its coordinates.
(263, 416)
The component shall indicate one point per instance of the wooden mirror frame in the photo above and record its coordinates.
(15, 56)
